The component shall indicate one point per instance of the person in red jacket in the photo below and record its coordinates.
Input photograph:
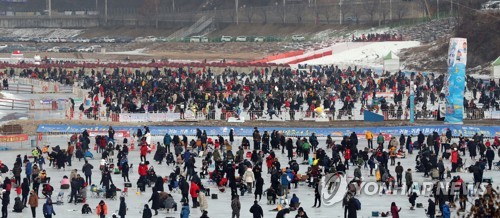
(347, 157)
(144, 150)
(194, 190)
(143, 169)
(454, 160)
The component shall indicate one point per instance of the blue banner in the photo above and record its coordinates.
(467, 131)
(457, 59)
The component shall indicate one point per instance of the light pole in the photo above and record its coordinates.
(340, 12)
(284, 12)
(50, 8)
(438, 9)
(105, 11)
(390, 9)
(237, 14)
(173, 5)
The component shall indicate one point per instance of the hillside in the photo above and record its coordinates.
(480, 29)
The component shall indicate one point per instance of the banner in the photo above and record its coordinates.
(466, 131)
(153, 117)
(118, 133)
(14, 138)
(455, 83)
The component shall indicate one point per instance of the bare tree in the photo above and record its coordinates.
(263, 13)
(326, 12)
(401, 9)
(297, 12)
(249, 13)
(370, 8)
(149, 10)
(385, 10)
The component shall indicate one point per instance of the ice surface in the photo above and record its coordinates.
(220, 208)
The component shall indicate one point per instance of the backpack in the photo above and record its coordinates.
(357, 203)
(86, 209)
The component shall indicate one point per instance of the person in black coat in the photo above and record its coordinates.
(231, 136)
(184, 187)
(258, 187)
(159, 184)
(490, 155)
(160, 153)
(283, 213)
(471, 145)
(25, 188)
(122, 211)
(431, 209)
(125, 170)
(146, 213)
(155, 198)
(106, 179)
(256, 210)
(289, 149)
(349, 206)
(5, 203)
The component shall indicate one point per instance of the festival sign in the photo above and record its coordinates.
(455, 83)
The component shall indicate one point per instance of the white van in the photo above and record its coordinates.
(241, 39)
(226, 38)
(195, 39)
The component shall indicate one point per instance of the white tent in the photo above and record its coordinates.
(391, 62)
(496, 68)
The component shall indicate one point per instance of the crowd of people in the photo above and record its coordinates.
(272, 91)
(377, 37)
(256, 169)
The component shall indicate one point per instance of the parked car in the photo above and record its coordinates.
(161, 39)
(491, 5)
(66, 49)
(123, 39)
(259, 39)
(241, 39)
(226, 38)
(298, 38)
(53, 39)
(44, 40)
(24, 39)
(109, 40)
(195, 39)
(53, 49)
(149, 39)
(63, 40)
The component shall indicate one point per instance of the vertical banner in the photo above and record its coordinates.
(412, 102)
(455, 83)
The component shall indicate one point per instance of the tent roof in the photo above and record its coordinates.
(390, 56)
(17, 52)
(496, 62)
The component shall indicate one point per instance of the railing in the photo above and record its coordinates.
(14, 104)
(31, 85)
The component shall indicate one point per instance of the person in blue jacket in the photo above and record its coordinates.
(28, 170)
(166, 141)
(446, 211)
(48, 209)
(185, 210)
(294, 202)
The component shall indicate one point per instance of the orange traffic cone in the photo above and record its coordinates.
(132, 147)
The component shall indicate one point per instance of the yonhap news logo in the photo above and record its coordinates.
(333, 188)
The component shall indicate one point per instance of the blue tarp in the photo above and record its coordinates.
(488, 131)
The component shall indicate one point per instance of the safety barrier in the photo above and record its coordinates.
(14, 104)
(279, 56)
(21, 84)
